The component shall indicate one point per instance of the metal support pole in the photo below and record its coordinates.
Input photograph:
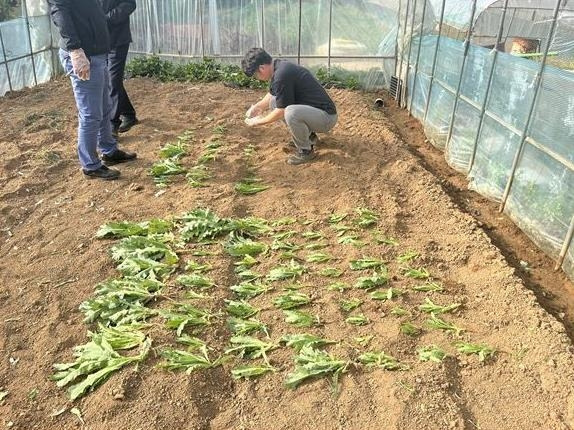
(537, 86)
(488, 85)
(565, 245)
(299, 42)
(418, 57)
(201, 28)
(263, 24)
(330, 33)
(397, 40)
(433, 69)
(464, 57)
(27, 19)
(400, 71)
(403, 96)
(5, 61)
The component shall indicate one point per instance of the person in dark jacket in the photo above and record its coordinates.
(118, 18)
(294, 96)
(84, 47)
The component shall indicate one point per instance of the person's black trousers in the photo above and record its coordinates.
(121, 104)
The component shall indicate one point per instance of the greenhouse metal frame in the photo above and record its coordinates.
(422, 41)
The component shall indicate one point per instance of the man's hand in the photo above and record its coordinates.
(253, 111)
(80, 64)
(253, 122)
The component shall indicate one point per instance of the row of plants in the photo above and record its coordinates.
(159, 288)
(209, 70)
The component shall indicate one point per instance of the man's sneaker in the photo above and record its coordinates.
(127, 123)
(102, 173)
(301, 157)
(118, 156)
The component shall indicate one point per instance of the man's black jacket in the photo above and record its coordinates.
(82, 24)
(118, 17)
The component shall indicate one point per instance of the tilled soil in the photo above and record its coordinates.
(52, 261)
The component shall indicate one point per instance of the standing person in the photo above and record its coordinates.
(84, 46)
(118, 18)
(295, 96)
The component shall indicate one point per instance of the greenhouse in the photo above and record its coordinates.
(384, 242)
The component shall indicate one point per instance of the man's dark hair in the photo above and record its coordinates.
(254, 58)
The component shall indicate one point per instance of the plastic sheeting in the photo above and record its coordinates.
(25, 52)
(502, 106)
(357, 35)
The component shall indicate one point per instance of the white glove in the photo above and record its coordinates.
(80, 64)
(254, 110)
(252, 122)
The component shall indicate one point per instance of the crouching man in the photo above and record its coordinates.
(294, 96)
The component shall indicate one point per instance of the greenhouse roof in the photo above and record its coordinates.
(457, 12)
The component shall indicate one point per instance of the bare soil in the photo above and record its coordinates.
(377, 159)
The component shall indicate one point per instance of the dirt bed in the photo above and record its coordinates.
(52, 261)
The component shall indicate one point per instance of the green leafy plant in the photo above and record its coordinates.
(315, 246)
(176, 359)
(331, 272)
(195, 281)
(366, 263)
(431, 353)
(357, 320)
(240, 309)
(284, 235)
(123, 336)
(410, 329)
(300, 319)
(238, 246)
(250, 347)
(338, 286)
(284, 221)
(440, 324)
(121, 301)
(240, 327)
(429, 287)
(291, 299)
(384, 240)
(126, 229)
(349, 305)
(312, 235)
(482, 350)
(381, 360)
(94, 363)
(432, 308)
(193, 266)
(248, 290)
(399, 312)
(298, 341)
(389, 294)
(366, 217)
(173, 151)
(201, 224)
(364, 340)
(420, 273)
(407, 256)
(352, 239)
(183, 315)
(336, 218)
(318, 257)
(250, 186)
(293, 270)
(280, 245)
(376, 280)
(312, 363)
(167, 167)
(197, 175)
(251, 371)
